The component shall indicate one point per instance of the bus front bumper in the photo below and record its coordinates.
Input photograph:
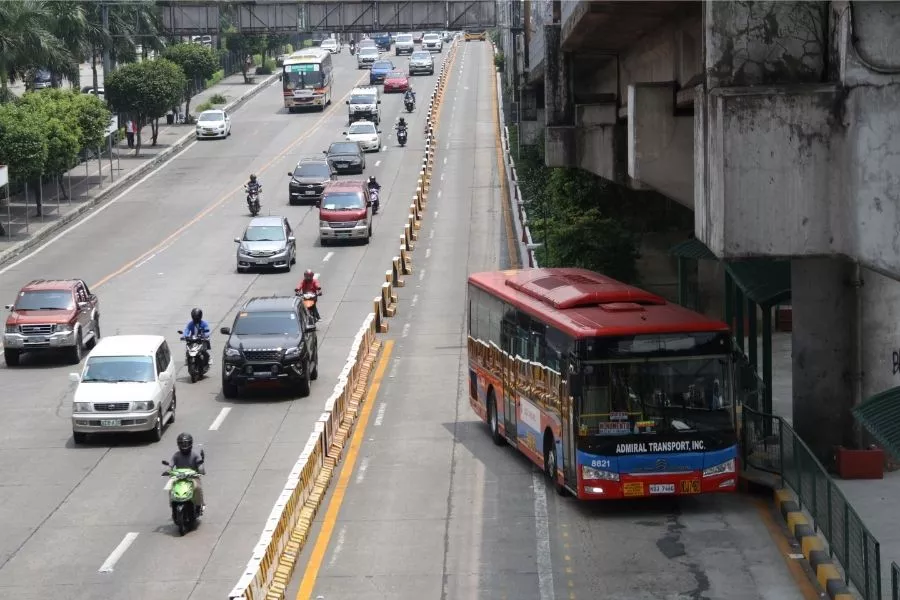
(645, 485)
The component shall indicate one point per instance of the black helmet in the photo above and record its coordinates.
(372, 179)
(309, 275)
(185, 442)
(196, 315)
(252, 177)
(402, 121)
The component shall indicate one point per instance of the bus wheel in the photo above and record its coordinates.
(551, 464)
(493, 419)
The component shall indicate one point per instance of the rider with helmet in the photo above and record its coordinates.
(186, 458)
(410, 95)
(309, 285)
(199, 327)
(253, 186)
(374, 191)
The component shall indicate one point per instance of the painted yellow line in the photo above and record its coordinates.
(197, 218)
(801, 577)
(334, 507)
(511, 242)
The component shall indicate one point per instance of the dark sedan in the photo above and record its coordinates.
(308, 180)
(346, 157)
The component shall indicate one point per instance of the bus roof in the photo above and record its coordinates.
(583, 303)
(307, 55)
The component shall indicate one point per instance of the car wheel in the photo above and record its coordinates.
(314, 373)
(173, 407)
(12, 357)
(79, 437)
(229, 390)
(156, 433)
(303, 386)
(76, 352)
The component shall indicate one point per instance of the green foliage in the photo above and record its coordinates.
(23, 143)
(93, 119)
(84, 115)
(204, 106)
(145, 90)
(499, 61)
(218, 99)
(216, 78)
(288, 49)
(63, 145)
(198, 62)
(308, 43)
(267, 68)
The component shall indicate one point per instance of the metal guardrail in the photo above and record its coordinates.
(895, 581)
(770, 444)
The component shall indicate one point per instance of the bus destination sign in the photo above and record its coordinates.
(653, 447)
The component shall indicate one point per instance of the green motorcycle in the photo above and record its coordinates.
(181, 497)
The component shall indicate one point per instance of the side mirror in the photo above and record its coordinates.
(165, 377)
(292, 239)
(74, 377)
(290, 174)
(343, 133)
(325, 152)
(165, 462)
(237, 240)
(180, 332)
(379, 102)
(225, 331)
(377, 131)
(83, 305)
(347, 102)
(9, 307)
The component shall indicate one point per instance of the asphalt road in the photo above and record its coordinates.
(162, 248)
(433, 510)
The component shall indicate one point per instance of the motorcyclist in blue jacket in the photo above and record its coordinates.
(198, 326)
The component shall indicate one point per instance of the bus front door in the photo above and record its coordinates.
(509, 414)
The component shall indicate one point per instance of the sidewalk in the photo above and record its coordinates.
(873, 499)
(92, 181)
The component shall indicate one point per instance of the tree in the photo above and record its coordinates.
(93, 119)
(27, 41)
(144, 91)
(244, 45)
(23, 144)
(198, 64)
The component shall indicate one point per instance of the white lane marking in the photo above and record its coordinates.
(447, 147)
(431, 234)
(220, 419)
(440, 192)
(342, 535)
(405, 329)
(379, 418)
(427, 252)
(378, 162)
(393, 372)
(361, 473)
(383, 148)
(421, 274)
(112, 559)
(795, 556)
(442, 176)
(93, 214)
(328, 257)
(445, 160)
(542, 533)
(435, 214)
(415, 299)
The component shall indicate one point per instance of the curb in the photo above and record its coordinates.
(41, 236)
(813, 547)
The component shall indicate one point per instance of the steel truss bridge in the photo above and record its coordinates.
(196, 17)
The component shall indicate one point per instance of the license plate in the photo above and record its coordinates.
(633, 489)
(110, 423)
(310, 192)
(35, 340)
(662, 488)
(690, 486)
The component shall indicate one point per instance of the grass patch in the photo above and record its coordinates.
(513, 138)
(218, 99)
(216, 78)
(307, 43)
(203, 106)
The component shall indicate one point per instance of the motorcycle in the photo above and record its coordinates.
(181, 496)
(410, 104)
(309, 299)
(196, 357)
(253, 201)
(401, 136)
(352, 49)
(374, 192)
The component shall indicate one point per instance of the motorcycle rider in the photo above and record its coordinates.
(352, 46)
(410, 96)
(186, 458)
(198, 326)
(373, 184)
(401, 124)
(309, 285)
(253, 186)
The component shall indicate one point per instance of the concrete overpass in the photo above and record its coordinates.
(280, 16)
(777, 124)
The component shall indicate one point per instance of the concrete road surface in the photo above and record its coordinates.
(161, 248)
(432, 509)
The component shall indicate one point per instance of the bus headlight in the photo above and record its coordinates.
(720, 469)
(592, 474)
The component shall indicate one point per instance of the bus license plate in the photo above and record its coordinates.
(662, 488)
(110, 423)
(690, 486)
(633, 489)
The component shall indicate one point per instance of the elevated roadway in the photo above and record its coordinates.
(426, 506)
(161, 248)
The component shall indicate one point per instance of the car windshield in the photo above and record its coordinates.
(329, 42)
(362, 99)
(420, 56)
(344, 148)
(119, 369)
(342, 201)
(397, 75)
(217, 116)
(404, 38)
(264, 233)
(431, 36)
(364, 128)
(383, 64)
(655, 396)
(45, 300)
(266, 323)
(368, 51)
(312, 170)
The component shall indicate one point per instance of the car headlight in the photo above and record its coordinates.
(362, 222)
(64, 328)
(281, 251)
(12, 329)
(292, 353)
(232, 353)
(355, 161)
(324, 224)
(145, 405)
(82, 407)
(720, 469)
(243, 251)
(590, 473)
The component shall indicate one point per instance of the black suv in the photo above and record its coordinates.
(272, 339)
(346, 157)
(308, 180)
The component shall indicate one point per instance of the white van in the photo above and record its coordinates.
(127, 385)
(364, 105)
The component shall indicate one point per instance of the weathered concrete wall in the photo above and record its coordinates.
(880, 333)
(596, 139)
(752, 43)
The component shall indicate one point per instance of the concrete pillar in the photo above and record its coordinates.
(824, 306)
(880, 333)
(559, 139)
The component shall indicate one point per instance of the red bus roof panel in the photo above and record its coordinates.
(582, 303)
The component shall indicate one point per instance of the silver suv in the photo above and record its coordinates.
(421, 62)
(404, 44)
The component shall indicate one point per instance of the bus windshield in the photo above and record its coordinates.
(655, 396)
(303, 77)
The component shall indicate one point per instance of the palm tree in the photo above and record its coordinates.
(27, 40)
(77, 32)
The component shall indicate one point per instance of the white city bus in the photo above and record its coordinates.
(306, 78)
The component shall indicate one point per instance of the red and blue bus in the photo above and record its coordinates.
(613, 391)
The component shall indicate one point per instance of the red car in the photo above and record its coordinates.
(396, 81)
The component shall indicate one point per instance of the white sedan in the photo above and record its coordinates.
(213, 123)
(331, 45)
(365, 132)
